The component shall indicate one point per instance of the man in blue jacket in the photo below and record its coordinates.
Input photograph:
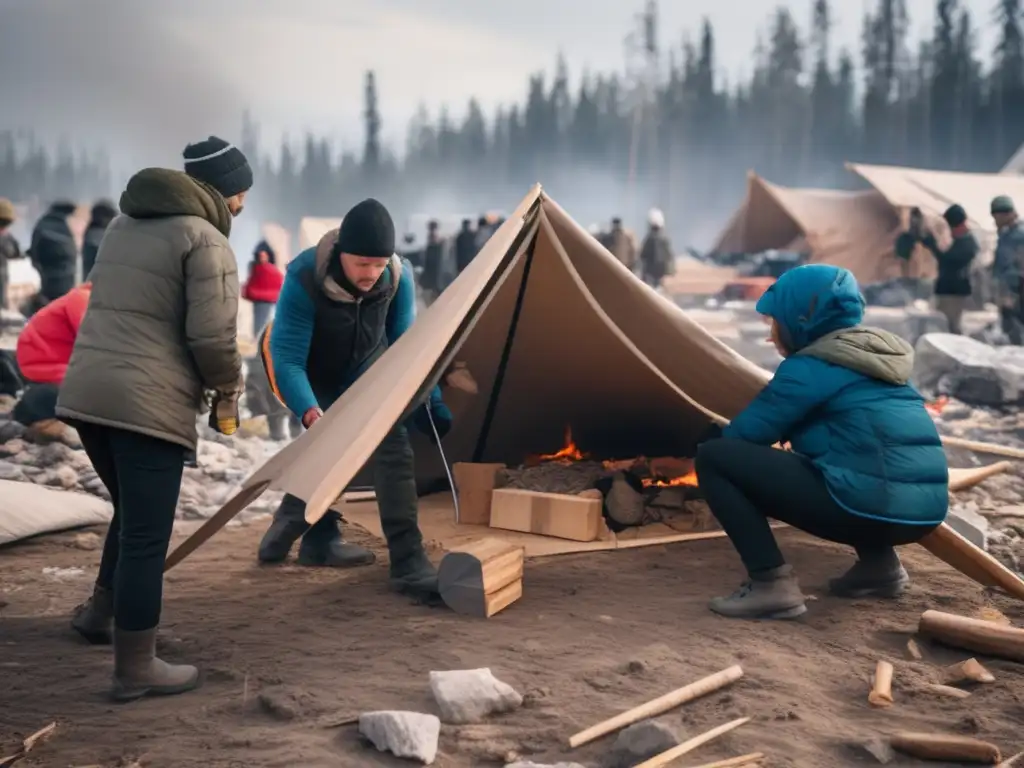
(342, 304)
(867, 468)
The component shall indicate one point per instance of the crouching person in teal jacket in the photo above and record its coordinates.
(867, 468)
(342, 304)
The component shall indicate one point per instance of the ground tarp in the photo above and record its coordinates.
(557, 333)
(28, 510)
(855, 230)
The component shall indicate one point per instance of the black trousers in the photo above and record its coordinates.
(143, 476)
(745, 485)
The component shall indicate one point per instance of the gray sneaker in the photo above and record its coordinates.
(875, 574)
(773, 594)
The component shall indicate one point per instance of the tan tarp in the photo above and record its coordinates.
(855, 230)
(28, 510)
(311, 229)
(556, 332)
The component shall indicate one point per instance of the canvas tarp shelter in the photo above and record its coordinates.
(851, 229)
(312, 229)
(556, 333)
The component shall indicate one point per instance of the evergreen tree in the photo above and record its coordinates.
(371, 116)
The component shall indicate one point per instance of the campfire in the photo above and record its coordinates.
(636, 491)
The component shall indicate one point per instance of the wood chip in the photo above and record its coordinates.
(913, 651)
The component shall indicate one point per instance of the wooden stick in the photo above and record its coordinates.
(979, 447)
(1011, 761)
(689, 745)
(947, 690)
(970, 670)
(962, 479)
(973, 634)
(913, 651)
(732, 762)
(881, 693)
(948, 748)
(658, 706)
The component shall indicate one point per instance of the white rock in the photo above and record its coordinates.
(969, 524)
(404, 734)
(969, 370)
(470, 695)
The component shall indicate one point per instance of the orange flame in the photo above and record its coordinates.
(689, 479)
(936, 406)
(569, 452)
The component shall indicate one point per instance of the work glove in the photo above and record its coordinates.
(224, 415)
(442, 418)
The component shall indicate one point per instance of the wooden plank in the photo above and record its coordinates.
(475, 483)
(551, 514)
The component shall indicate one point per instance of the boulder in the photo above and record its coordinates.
(641, 741)
(411, 735)
(909, 323)
(969, 371)
(470, 695)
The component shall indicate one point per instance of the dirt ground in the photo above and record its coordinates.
(285, 650)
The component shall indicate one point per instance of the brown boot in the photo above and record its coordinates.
(138, 672)
(94, 619)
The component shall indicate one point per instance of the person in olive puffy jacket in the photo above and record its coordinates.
(867, 467)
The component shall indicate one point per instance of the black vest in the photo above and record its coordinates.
(347, 335)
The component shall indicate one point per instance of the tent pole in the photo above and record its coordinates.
(499, 377)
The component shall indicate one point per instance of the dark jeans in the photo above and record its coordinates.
(746, 484)
(143, 476)
(1009, 321)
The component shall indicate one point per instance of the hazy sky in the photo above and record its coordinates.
(143, 76)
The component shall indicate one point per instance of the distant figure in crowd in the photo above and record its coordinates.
(1008, 267)
(43, 352)
(656, 256)
(103, 212)
(432, 276)
(54, 253)
(953, 284)
(160, 331)
(9, 248)
(484, 230)
(465, 246)
(263, 285)
(622, 245)
(344, 302)
(866, 468)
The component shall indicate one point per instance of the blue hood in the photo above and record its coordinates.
(811, 301)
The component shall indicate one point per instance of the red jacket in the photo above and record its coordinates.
(46, 341)
(264, 283)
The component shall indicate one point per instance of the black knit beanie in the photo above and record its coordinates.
(367, 230)
(955, 215)
(219, 164)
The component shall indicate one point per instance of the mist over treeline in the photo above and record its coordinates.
(617, 143)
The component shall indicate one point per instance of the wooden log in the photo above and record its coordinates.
(550, 514)
(970, 671)
(945, 747)
(734, 762)
(962, 479)
(973, 634)
(952, 548)
(670, 755)
(979, 447)
(475, 484)
(482, 578)
(881, 693)
(658, 706)
(947, 690)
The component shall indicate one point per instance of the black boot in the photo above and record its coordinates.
(94, 619)
(877, 573)
(289, 524)
(322, 545)
(411, 571)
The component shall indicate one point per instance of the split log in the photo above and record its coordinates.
(671, 755)
(969, 671)
(549, 514)
(475, 484)
(735, 762)
(482, 578)
(658, 706)
(947, 748)
(973, 634)
(881, 693)
(947, 690)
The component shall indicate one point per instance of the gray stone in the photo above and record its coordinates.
(62, 477)
(411, 735)
(969, 370)
(641, 741)
(10, 430)
(9, 471)
(470, 695)
(970, 524)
